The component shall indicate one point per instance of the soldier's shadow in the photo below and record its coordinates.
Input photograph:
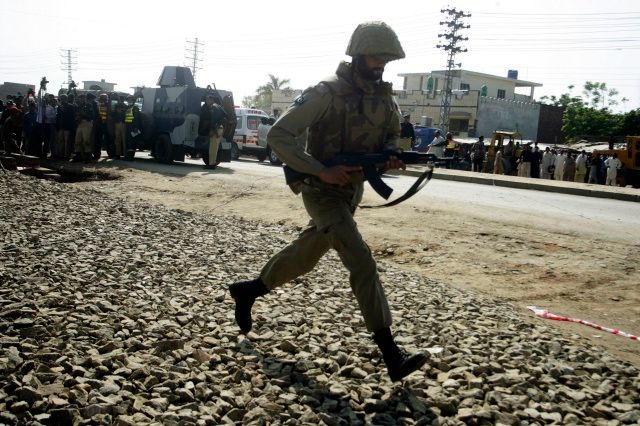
(325, 403)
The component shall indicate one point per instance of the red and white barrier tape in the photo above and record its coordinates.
(543, 313)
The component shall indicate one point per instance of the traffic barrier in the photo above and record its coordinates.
(543, 313)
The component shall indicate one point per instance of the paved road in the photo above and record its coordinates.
(567, 213)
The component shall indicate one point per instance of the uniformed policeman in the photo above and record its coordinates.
(212, 117)
(352, 111)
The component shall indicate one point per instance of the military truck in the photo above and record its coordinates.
(170, 115)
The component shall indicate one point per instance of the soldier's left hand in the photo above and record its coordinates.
(395, 163)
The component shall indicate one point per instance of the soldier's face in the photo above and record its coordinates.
(372, 67)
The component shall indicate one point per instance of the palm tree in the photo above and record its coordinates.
(274, 84)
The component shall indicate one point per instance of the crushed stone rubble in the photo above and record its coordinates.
(115, 312)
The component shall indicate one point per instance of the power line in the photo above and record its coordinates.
(68, 55)
(194, 56)
(557, 14)
(454, 25)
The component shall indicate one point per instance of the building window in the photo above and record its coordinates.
(464, 86)
(502, 94)
(458, 125)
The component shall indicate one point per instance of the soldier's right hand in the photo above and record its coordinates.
(338, 175)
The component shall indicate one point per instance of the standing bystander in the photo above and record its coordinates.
(546, 168)
(558, 171)
(581, 167)
(569, 171)
(477, 155)
(85, 116)
(407, 130)
(118, 114)
(613, 165)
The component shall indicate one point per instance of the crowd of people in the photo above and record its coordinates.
(71, 126)
(522, 160)
(562, 165)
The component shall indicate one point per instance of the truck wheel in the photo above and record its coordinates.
(273, 158)
(235, 151)
(262, 157)
(164, 150)
(129, 155)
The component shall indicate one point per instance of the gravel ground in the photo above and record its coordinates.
(114, 312)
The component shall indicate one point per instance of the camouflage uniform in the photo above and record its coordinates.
(351, 112)
(343, 114)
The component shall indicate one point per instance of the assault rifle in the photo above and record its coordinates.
(372, 165)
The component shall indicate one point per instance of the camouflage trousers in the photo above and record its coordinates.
(332, 227)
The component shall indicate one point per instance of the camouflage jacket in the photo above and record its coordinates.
(344, 113)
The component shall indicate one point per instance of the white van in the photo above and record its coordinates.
(245, 139)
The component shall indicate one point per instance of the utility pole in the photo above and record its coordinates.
(452, 38)
(69, 61)
(194, 59)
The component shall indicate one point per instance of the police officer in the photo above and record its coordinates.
(353, 111)
(118, 115)
(133, 128)
(85, 116)
(212, 116)
(406, 129)
(100, 127)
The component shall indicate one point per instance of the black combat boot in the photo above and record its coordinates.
(245, 293)
(399, 362)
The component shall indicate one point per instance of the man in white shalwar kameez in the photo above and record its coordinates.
(547, 161)
(559, 165)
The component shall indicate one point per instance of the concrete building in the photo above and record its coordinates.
(281, 99)
(14, 89)
(103, 85)
(496, 86)
(481, 103)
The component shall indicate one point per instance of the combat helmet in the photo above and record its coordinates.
(375, 38)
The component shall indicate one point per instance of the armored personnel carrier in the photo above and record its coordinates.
(170, 115)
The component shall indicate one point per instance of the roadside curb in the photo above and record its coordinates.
(585, 190)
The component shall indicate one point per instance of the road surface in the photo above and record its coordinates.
(571, 213)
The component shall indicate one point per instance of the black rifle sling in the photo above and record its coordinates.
(417, 186)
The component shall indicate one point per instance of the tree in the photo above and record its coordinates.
(274, 84)
(589, 114)
(599, 95)
(262, 98)
(630, 124)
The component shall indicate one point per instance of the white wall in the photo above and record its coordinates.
(499, 114)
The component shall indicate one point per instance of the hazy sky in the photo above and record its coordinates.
(556, 43)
